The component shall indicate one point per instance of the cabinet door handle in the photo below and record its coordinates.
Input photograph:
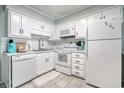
(20, 31)
(100, 17)
(76, 33)
(47, 60)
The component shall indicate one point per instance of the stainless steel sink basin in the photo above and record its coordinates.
(42, 50)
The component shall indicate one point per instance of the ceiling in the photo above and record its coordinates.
(58, 11)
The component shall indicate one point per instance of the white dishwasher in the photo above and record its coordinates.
(23, 69)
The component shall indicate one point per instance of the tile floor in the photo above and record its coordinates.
(55, 79)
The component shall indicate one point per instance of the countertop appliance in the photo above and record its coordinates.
(11, 46)
(23, 69)
(103, 67)
(80, 45)
(63, 63)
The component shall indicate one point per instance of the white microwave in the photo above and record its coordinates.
(67, 31)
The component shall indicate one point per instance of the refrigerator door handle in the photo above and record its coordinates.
(86, 40)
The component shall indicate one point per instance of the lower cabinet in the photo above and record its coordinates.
(78, 65)
(45, 62)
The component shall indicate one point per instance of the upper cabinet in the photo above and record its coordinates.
(102, 25)
(41, 28)
(81, 28)
(105, 25)
(55, 36)
(18, 25)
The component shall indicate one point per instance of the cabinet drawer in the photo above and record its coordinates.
(78, 73)
(78, 61)
(78, 55)
(77, 66)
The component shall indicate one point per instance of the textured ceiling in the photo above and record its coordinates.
(58, 11)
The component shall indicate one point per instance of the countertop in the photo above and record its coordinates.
(37, 52)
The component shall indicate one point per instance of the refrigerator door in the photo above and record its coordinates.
(103, 67)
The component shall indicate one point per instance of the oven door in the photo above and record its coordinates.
(64, 59)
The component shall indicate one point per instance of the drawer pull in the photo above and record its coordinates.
(77, 61)
(77, 67)
(77, 55)
(77, 73)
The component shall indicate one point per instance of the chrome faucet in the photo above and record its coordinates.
(40, 44)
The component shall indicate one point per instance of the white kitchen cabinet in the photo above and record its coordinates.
(40, 28)
(49, 30)
(52, 31)
(26, 26)
(15, 23)
(57, 32)
(45, 62)
(19, 25)
(81, 28)
(40, 64)
(36, 25)
(55, 35)
(49, 59)
(78, 64)
(104, 28)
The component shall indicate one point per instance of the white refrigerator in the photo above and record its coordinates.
(103, 67)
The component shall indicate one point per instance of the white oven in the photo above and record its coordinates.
(63, 63)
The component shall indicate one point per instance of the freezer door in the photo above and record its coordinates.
(104, 28)
(103, 67)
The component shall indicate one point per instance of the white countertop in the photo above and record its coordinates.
(37, 52)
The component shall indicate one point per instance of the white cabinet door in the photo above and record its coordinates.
(41, 68)
(56, 33)
(45, 63)
(104, 28)
(49, 61)
(19, 25)
(46, 29)
(52, 61)
(36, 25)
(81, 28)
(26, 27)
(40, 28)
(103, 68)
(52, 31)
(15, 24)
